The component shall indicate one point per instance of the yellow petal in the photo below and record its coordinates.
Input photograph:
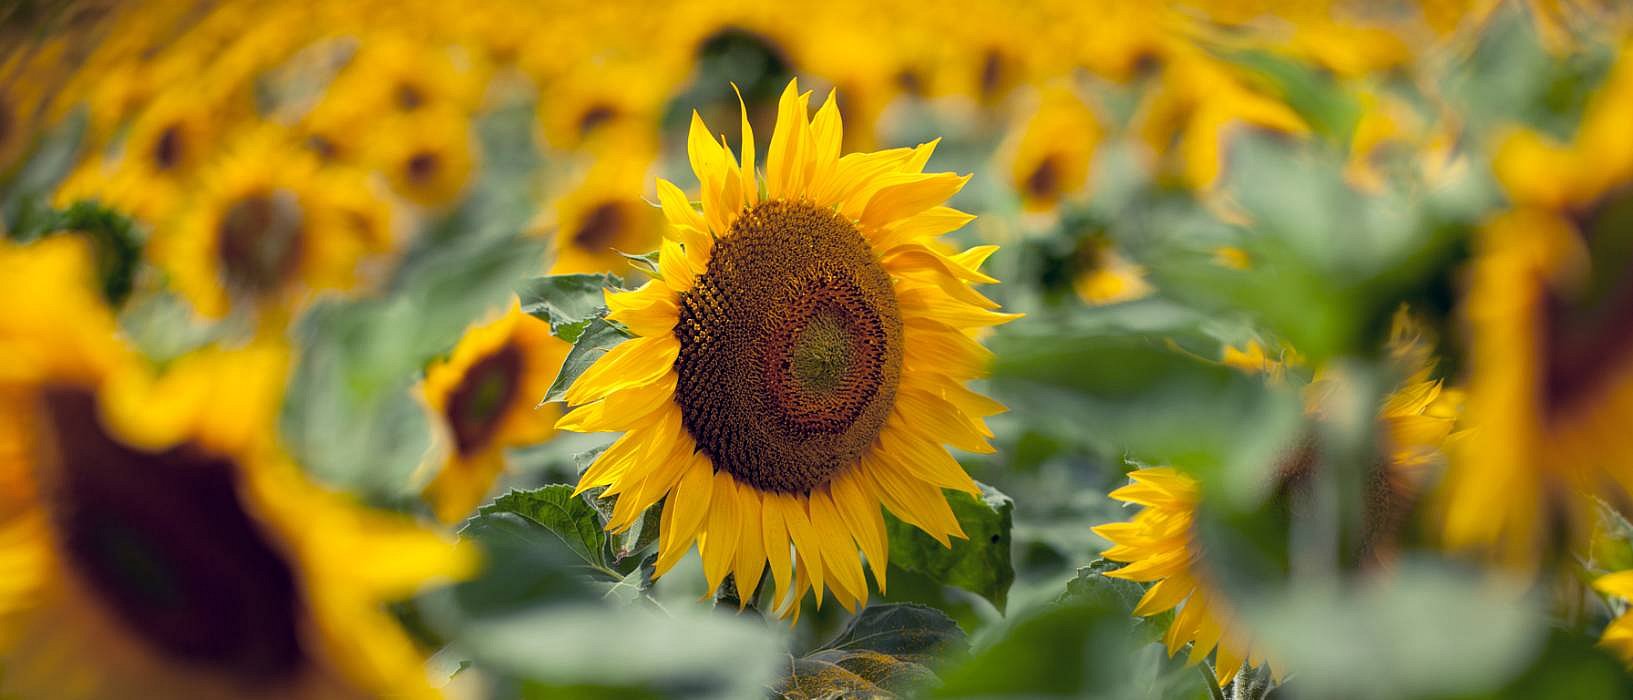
(750, 564)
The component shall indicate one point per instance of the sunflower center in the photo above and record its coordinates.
(791, 348)
(1587, 332)
(600, 228)
(1044, 180)
(169, 149)
(261, 240)
(422, 167)
(594, 117)
(477, 406)
(163, 540)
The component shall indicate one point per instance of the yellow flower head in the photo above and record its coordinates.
(1054, 150)
(1550, 371)
(1160, 547)
(485, 394)
(1104, 276)
(428, 155)
(604, 217)
(1195, 108)
(155, 541)
(800, 360)
(265, 230)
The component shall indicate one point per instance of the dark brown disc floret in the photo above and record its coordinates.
(790, 348)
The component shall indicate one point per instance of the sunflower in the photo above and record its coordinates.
(1618, 635)
(1104, 276)
(800, 360)
(1160, 547)
(1550, 368)
(1159, 544)
(264, 231)
(604, 217)
(157, 544)
(598, 109)
(484, 393)
(1054, 150)
(1194, 109)
(427, 155)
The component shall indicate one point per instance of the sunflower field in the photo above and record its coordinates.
(1203, 350)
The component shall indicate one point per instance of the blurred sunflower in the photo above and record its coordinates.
(155, 541)
(263, 231)
(1054, 150)
(1104, 276)
(1618, 635)
(800, 361)
(1547, 310)
(1159, 543)
(604, 217)
(600, 109)
(485, 394)
(427, 155)
(1197, 104)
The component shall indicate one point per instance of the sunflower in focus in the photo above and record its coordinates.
(485, 393)
(157, 544)
(604, 217)
(1548, 302)
(1160, 547)
(263, 232)
(799, 361)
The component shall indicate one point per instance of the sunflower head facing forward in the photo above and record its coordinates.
(798, 362)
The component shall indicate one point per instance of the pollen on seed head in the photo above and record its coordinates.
(791, 348)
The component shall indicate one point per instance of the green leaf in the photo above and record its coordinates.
(884, 650)
(1144, 375)
(567, 302)
(598, 337)
(350, 415)
(1425, 629)
(686, 651)
(1092, 586)
(1076, 648)
(645, 262)
(563, 514)
(1315, 95)
(979, 564)
(24, 191)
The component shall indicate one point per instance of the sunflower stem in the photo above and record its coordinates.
(1210, 680)
(728, 595)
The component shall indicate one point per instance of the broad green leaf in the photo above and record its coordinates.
(686, 651)
(1092, 586)
(1423, 629)
(598, 337)
(567, 302)
(979, 564)
(1069, 649)
(25, 190)
(567, 516)
(884, 650)
(1143, 381)
(1316, 96)
(350, 415)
